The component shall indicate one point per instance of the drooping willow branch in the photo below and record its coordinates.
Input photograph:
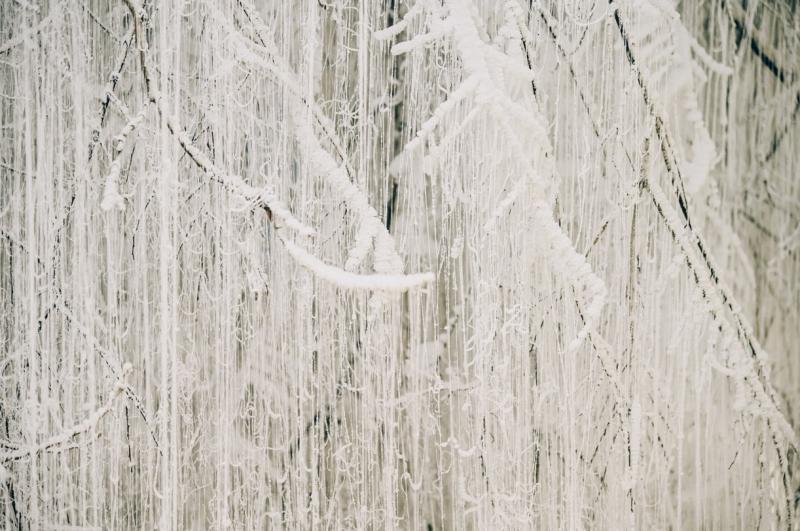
(60, 304)
(55, 443)
(371, 230)
(714, 291)
(278, 214)
(108, 91)
(523, 129)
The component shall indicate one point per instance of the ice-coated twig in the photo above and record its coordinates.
(758, 43)
(714, 293)
(282, 71)
(534, 156)
(233, 183)
(24, 34)
(371, 230)
(111, 197)
(55, 442)
(386, 260)
(391, 31)
(108, 90)
(700, 262)
(348, 280)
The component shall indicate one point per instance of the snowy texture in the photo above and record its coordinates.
(415, 264)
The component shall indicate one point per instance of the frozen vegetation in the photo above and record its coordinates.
(399, 264)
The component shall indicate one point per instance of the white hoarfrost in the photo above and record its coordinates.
(419, 264)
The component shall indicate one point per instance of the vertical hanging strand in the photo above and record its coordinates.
(166, 205)
(31, 395)
(175, 455)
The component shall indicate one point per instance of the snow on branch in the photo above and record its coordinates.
(463, 91)
(25, 34)
(387, 33)
(717, 295)
(532, 150)
(108, 89)
(56, 442)
(277, 66)
(719, 302)
(111, 197)
(386, 260)
(664, 54)
(276, 210)
(371, 230)
(348, 280)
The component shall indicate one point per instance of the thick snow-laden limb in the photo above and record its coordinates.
(418, 42)
(526, 133)
(476, 56)
(481, 82)
(573, 267)
(463, 91)
(566, 260)
(55, 442)
(265, 199)
(280, 69)
(387, 262)
(371, 230)
(349, 280)
(438, 27)
(262, 198)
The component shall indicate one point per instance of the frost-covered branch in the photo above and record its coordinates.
(719, 303)
(532, 149)
(600, 374)
(348, 280)
(386, 259)
(371, 230)
(24, 34)
(690, 241)
(759, 44)
(111, 84)
(111, 197)
(54, 443)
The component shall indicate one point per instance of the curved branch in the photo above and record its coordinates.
(277, 213)
(55, 442)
